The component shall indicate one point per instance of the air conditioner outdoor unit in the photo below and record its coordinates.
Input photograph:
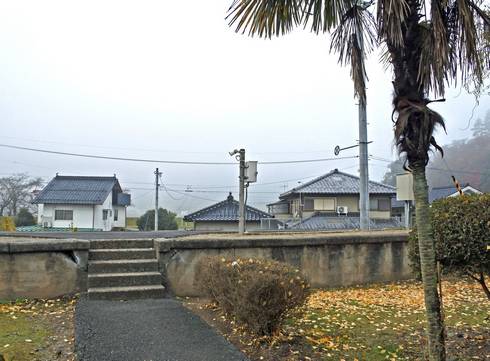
(47, 224)
(342, 210)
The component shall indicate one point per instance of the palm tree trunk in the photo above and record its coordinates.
(435, 328)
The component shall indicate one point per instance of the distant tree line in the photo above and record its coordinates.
(166, 220)
(16, 192)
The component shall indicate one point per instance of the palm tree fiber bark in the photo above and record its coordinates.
(435, 328)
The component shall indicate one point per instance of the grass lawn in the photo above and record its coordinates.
(379, 322)
(37, 330)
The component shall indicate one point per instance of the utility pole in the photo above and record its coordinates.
(241, 195)
(363, 167)
(240, 156)
(157, 185)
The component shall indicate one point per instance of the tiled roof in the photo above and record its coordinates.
(441, 192)
(397, 204)
(444, 192)
(77, 190)
(226, 211)
(320, 222)
(337, 182)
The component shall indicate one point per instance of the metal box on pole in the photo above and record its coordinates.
(251, 171)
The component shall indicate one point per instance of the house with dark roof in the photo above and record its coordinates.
(223, 216)
(82, 202)
(450, 191)
(331, 201)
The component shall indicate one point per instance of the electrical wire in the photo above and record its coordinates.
(93, 156)
(165, 189)
(434, 168)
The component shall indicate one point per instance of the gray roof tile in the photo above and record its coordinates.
(76, 190)
(321, 222)
(337, 182)
(226, 211)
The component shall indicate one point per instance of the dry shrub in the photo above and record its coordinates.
(258, 293)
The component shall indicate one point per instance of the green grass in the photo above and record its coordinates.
(19, 336)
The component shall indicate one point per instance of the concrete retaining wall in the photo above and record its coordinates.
(326, 260)
(42, 268)
(46, 268)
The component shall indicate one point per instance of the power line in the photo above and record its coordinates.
(108, 147)
(202, 191)
(434, 168)
(82, 155)
(155, 150)
(193, 196)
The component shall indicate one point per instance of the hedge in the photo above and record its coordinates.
(7, 224)
(257, 293)
(461, 227)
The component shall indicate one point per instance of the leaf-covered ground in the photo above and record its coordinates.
(380, 322)
(37, 330)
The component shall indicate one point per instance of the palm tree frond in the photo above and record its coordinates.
(265, 18)
(438, 42)
(391, 15)
(469, 53)
(322, 15)
(352, 39)
(414, 130)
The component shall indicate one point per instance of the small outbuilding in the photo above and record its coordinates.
(82, 202)
(223, 216)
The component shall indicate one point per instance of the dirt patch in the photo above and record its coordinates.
(37, 330)
(281, 347)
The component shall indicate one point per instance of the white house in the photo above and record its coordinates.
(82, 202)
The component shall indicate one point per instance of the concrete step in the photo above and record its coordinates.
(124, 279)
(119, 266)
(126, 293)
(121, 243)
(128, 253)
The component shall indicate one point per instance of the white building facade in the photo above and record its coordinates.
(83, 203)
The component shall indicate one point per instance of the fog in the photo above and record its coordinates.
(170, 80)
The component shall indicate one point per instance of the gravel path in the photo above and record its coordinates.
(144, 330)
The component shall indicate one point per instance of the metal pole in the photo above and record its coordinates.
(363, 167)
(241, 196)
(157, 175)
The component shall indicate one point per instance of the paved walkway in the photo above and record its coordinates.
(146, 330)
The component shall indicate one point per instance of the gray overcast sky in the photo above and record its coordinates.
(170, 80)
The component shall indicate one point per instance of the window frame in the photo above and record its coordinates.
(377, 202)
(61, 214)
(324, 201)
(306, 201)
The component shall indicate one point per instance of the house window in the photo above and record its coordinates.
(105, 213)
(379, 204)
(324, 204)
(384, 204)
(116, 214)
(309, 204)
(63, 215)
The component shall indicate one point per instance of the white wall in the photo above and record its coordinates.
(40, 209)
(105, 225)
(121, 220)
(82, 215)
